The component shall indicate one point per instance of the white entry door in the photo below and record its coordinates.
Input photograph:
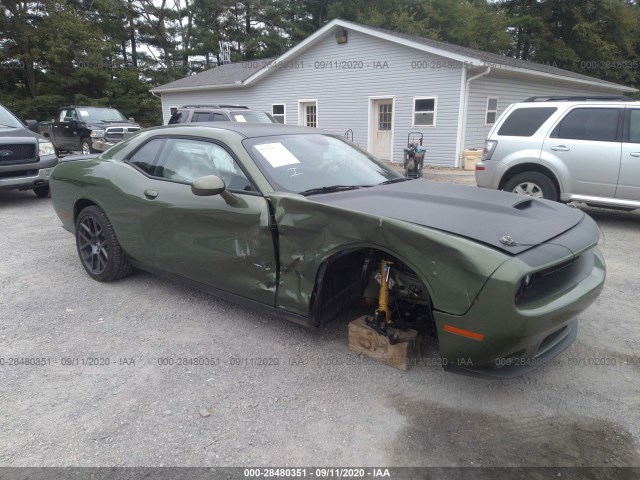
(382, 123)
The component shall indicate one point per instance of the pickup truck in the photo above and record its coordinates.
(26, 158)
(87, 129)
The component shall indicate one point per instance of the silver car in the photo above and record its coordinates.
(584, 149)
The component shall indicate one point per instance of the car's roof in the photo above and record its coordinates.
(219, 109)
(250, 129)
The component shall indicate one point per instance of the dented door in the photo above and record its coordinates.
(229, 247)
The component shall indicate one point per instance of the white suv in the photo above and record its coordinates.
(584, 149)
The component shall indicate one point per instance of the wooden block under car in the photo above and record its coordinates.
(402, 355)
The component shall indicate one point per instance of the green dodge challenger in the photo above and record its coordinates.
(296, 221)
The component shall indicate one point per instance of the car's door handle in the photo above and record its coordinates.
(635, 154)
(150, 194)
(560, 148)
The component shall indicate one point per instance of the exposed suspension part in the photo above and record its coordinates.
(382, 317)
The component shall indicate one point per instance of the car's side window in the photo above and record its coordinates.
(68, 114)
(599, 124)
(185, 160)
(201, 117)
(219, 117)
(145, 157)
(634, 126)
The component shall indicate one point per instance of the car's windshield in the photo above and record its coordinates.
(251, 117)
(298, 163)
(90, 114)
(8, 120)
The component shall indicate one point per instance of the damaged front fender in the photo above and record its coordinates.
(452, 268)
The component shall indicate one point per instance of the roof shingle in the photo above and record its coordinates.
(227, 74)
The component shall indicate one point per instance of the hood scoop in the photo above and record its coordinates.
(523, 205)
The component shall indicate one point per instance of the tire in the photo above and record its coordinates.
(532, 184)
(86, 147)
(42, 191)
(98, 248)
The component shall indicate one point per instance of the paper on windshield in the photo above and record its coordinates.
(240, 118)
(277, 154)
(84, 113)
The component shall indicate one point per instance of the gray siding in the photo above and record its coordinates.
(510, 89)
(343, 95)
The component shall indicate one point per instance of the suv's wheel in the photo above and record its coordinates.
(42, 191)
(532, 184)
(98, 248)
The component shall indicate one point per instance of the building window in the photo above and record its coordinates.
(311, 116)
(424, 112)
(492, 111)
(384, 116)
(308, 113)
(278, 112)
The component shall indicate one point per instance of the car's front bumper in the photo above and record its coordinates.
(28, 175)
(512, 339)
(101, 145)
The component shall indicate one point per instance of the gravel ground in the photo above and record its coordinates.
(318, 406)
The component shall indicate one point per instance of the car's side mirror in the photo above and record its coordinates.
(212, 185)
(132, 120)
(32, 125)
(207, 186)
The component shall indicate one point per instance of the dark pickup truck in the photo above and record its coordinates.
(26, 158)
(87, 129)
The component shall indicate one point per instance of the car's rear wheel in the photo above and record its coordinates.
(41, 191)
(98, 248)
(532, 184)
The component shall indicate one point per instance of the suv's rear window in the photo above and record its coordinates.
(178, 117)
(524, 122)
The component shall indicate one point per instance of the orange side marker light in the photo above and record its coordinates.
(464, 333)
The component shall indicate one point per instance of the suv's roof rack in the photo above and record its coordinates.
(215, 105)
(587, 98)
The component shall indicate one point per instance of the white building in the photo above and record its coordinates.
(381, 85)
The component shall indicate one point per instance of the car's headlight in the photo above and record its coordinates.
(525, 284)
(45, 148)
(97, 133)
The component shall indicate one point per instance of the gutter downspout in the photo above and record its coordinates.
(161, 105)
(465, 106)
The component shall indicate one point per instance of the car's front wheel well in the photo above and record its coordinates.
(528, 167)
(80, 205)
(350, 281)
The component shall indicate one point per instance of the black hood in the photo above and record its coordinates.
(19, 133)
(486, 216)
